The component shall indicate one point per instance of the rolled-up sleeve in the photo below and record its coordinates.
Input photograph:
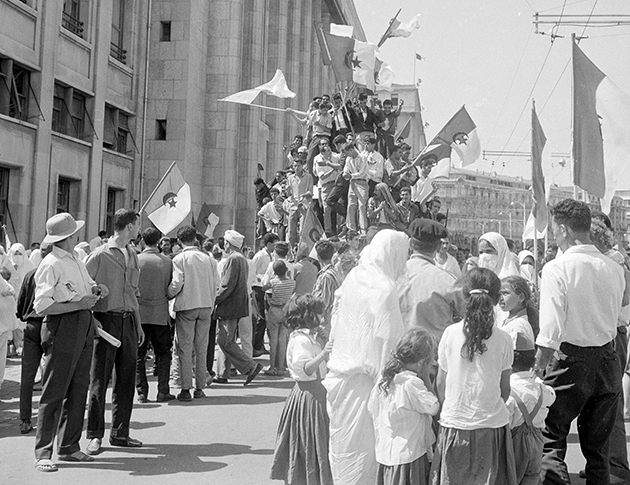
(553, 312)
(45, 281)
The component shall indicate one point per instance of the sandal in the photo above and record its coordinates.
(45, 466)
(76, 456)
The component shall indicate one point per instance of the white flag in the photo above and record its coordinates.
(276, 87)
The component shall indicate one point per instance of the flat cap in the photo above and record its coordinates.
(427, 230)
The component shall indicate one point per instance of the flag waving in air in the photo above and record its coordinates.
(276, 87)
(601, 133)
(400, 29)
(539, 209)
(351, 59)
(460, 133)
(169, 203)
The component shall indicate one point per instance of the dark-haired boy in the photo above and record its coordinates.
(386, 126)
(156, 271)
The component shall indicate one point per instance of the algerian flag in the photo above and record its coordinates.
(276, 87)
(383, 75)
(601, 131)
(170, 202)
(351, 59)
(460, 133)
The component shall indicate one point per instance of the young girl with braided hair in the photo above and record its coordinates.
(473, 383)
(401, 406)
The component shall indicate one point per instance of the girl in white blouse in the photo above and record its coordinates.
(301, 451)
(401, 406)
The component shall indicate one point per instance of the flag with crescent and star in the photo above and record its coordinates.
(351, 59)
(460, 134)
(170, 202)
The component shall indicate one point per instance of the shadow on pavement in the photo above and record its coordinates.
(248, 399)
(167, 459)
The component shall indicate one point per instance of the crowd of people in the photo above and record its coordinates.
(351, 171)
(415, 361)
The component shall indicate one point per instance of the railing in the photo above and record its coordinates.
(72, 24)
(118, 53)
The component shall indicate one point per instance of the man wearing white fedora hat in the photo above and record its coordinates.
(64, 295)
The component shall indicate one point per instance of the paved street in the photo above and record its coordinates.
(226, 438)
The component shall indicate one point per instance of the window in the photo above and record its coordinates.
(71, 16)
(165, 35)
(4, 195)
(15, 90)
(116, 132)
(160, 129)
(118, 25)
(63, 195)
(111, 208)
(70, 112)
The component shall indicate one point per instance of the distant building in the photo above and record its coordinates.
(478, 202)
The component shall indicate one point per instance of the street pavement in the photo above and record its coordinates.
(226, 438)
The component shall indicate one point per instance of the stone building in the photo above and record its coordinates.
(203, 51)
(71, 91)
(478, 202)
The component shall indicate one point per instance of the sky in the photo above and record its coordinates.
(486, 55)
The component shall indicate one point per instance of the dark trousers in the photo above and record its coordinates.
(212, 340)
(67, 339)
(258, 341)
(385, 144)
(587, 383)
(618, 445)
(31, 357)
(121, 362)
(337, 200)
(160, 338)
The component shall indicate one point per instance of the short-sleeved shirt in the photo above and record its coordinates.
(301, 349)
(298, 186)
(473, 389)
(280, 291)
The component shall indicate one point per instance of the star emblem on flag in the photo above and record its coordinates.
(170, 199)
(352, 60)
(460, 138)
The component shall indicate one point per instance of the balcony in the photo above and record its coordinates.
(72, 24)
(118, 53)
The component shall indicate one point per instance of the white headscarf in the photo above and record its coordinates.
(368, 319)
(19, 265)
(505, 263)
(528, 272)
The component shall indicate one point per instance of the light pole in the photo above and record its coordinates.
(509, 214)
(524, 211)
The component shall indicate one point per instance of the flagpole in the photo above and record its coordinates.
(158, 185)
(534, 215)
(575, 189)
(387, 32)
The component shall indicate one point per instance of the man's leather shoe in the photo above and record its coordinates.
(252, 374)
(161, 397)
(125, 442)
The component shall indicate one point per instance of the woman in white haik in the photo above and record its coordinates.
(365, 327)
(495, 255)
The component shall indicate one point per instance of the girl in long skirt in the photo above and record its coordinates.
(301, 452)
(475, 360)
(401, 406)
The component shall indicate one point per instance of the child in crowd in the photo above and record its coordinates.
(278, 293)
(7, 316)
(516, 300)
(473, 382)
(401, 406)
(528, 404)
(301, 452)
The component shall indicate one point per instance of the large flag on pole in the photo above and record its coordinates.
(539, 208)
(404, 29)
(460, 133)
(276, 87)
(169, 203)
(351, 59)
(601, 131)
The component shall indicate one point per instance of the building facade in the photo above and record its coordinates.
(203, 51)
(478, 202)
(71, 105)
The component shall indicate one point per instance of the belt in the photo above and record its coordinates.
(125, 314)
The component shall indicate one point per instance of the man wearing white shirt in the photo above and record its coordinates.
(580, 301)
(262, 259)
(356, 171)
(375, 162)
(325, 168)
